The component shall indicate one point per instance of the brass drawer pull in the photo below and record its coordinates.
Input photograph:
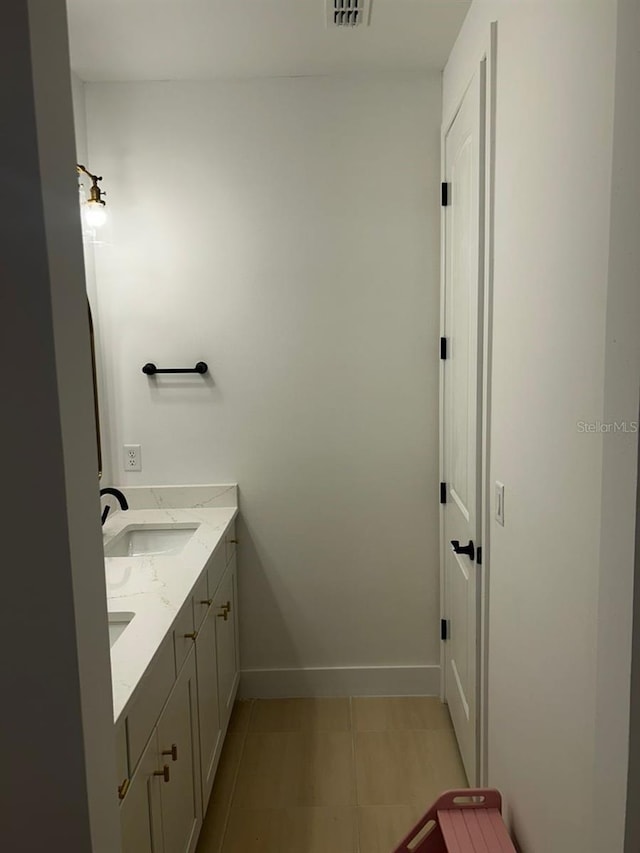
(223, 614)
(207, 601)
(234, 541)
(123, 788)
(165, 773)
(173, 752)
(191, 635)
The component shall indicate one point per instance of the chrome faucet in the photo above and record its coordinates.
(119, 497)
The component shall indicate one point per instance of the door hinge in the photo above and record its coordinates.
(443, 493)
(445, 194)
(479, 555)
(444, 629)
(443, 348)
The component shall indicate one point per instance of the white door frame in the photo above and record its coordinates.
(486, 66)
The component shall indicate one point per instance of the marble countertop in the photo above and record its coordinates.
(154, 588)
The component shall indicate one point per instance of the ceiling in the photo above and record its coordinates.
(201, 39)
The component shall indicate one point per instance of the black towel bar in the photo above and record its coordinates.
(150, 369)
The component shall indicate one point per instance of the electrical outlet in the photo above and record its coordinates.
(500, 502)
(132, 457)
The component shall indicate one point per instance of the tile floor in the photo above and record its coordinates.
(328, 775)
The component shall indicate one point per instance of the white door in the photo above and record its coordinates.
(462, 391)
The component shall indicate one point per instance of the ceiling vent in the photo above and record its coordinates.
(348, 13)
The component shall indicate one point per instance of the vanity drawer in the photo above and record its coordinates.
(201, 601)
(230, 541)
(151, 695)
(215, 568)
(183, 634)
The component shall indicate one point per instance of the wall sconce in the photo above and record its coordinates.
(94, 211)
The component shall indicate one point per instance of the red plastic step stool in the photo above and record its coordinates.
(464, 821)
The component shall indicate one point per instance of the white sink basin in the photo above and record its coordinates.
(117, 624)
(138, 540)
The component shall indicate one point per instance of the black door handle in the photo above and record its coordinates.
(469, 549)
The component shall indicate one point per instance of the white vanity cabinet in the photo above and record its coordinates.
(208, 706)
(218, 669)
(140, 809)
(178, 742)
(161, 812)
(225, 607)
(171, 736)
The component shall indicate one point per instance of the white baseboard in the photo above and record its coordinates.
(340, 681)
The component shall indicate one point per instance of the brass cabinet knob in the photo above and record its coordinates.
(165, 773)
(191, 635)
(123, 788)
(207, 601)
(173, 752)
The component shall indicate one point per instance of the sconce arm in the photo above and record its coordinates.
(84, 169)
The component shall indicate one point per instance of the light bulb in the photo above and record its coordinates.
(95, 214)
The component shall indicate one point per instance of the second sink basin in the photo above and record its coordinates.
(138, 540)
(117, 624)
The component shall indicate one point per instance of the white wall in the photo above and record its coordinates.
(558, 674)
(82, 156)
(286, 231)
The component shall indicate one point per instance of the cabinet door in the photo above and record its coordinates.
(230, 541)
(208, 709)
(236, 620)
(183, 634)
(179, 751)
(226, 614)
(140, 821)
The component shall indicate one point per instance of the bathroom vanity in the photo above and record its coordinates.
(173, 627)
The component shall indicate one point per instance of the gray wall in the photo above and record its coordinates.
(632, 836)
(619, 460)
(58, 789)
(627, 177)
